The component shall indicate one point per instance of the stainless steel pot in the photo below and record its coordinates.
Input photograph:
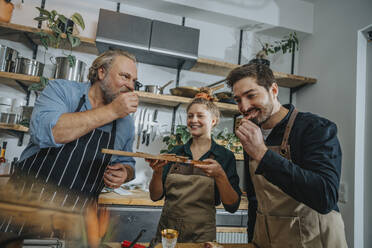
(30, 67)
(156, 89)
(8, 58)
(65, 71)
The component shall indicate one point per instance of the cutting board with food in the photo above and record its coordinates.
(165, 157)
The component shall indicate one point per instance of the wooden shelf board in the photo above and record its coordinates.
(14, 32)
(10, 76)
(14, 127)
(220, 68)
(172, 101)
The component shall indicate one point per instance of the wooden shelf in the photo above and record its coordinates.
(172, 101)
(165, 100)
(14, 127)
(15, 32)
(223, 68)
(9, 78)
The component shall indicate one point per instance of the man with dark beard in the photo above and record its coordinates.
(71, 122)
(293, 160)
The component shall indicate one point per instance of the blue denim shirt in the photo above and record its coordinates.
(63, 96)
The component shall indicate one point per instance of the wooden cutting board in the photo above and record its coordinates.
(165, 157)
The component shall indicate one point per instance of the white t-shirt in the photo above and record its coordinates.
(266, 133)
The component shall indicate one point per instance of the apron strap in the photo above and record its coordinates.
(288, 129)
(113, 130)
(81, 102)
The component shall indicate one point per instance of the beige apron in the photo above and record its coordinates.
(284, 222)
(189, 206)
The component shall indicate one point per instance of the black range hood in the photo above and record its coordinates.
(151, 41)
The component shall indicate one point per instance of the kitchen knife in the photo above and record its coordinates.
(148, 131)
(144, 132)
(137, 238)
(140, 125)
(154, 126)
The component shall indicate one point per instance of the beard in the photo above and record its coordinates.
(263, 113)
(108, 94)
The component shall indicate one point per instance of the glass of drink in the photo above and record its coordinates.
(169, 238)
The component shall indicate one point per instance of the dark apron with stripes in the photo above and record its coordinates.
(68, 176)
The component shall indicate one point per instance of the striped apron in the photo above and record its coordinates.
(67, 176)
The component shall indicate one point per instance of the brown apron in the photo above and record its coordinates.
(284, 222)
(189, 205)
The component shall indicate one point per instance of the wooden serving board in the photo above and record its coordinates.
(165, 157)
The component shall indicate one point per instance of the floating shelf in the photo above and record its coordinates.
(172, 101)
(9, 78)
(13, 127)
(223, 68)
(15, 32)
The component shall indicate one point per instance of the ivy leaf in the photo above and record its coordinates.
(78, 20)
(71, 60)
(74, 41)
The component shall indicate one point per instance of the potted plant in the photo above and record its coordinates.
(182, 135)
(287, 44)
(6, 10)
(61, 31)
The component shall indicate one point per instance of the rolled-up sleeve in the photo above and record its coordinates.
(127, 136)
(49, 106)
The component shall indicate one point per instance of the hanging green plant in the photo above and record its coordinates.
(61, 31)
(285, 45)
(39, 86)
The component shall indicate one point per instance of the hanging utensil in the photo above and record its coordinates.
(155, 124)
(141, 123)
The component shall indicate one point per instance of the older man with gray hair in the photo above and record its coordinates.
(71, 123)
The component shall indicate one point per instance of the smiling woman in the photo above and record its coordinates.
(192, 192)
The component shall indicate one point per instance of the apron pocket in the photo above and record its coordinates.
(284, 231)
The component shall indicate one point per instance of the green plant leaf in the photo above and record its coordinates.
(43, 11)
(71, 60)
(78, 20)
(62, 19)
(74, 41)
(56, 29)
(41, 18)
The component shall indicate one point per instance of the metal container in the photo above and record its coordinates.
(156, 89)
(8, 58)
(30, 67)
(5, 101)
(65, 71)
(27, 112)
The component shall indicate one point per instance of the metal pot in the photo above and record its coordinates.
(8, 58)
(156, 89)
(30, 67)
(65, 71)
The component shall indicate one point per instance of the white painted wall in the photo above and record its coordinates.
(368, 154)
(330, 56)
